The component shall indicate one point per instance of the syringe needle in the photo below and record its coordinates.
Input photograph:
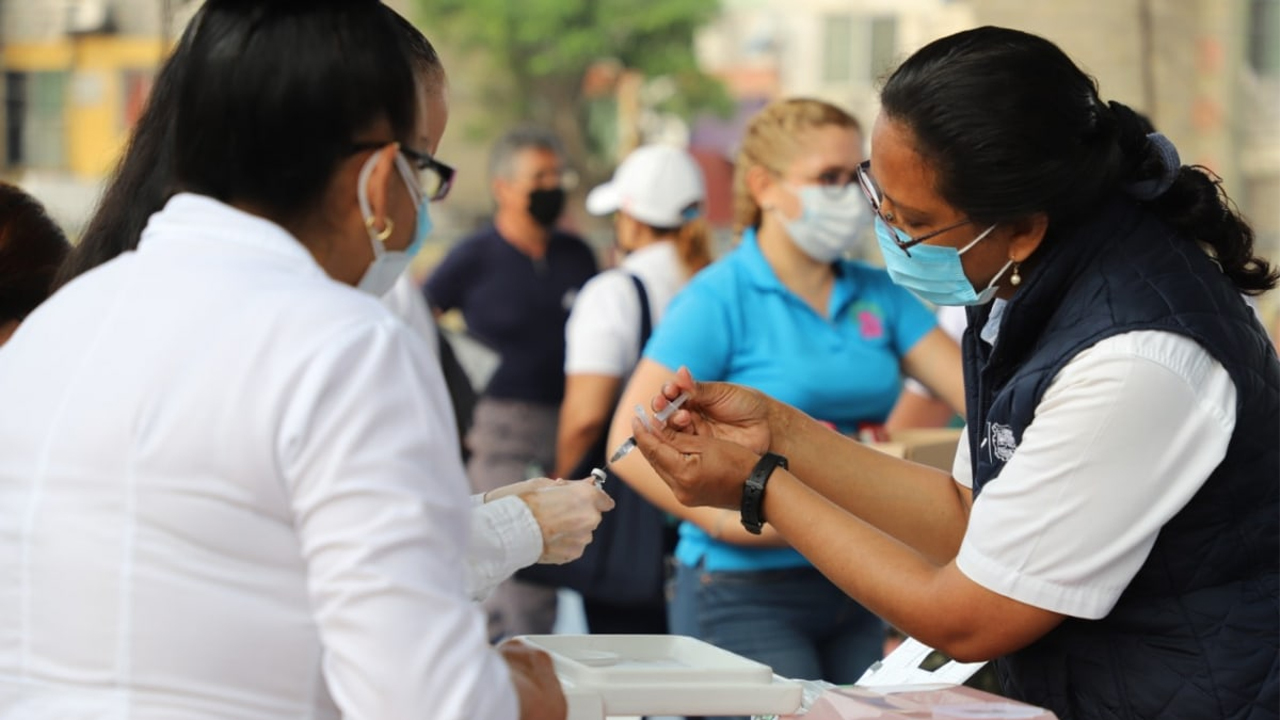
(661, 416)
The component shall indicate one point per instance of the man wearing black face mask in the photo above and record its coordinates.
(515, 283)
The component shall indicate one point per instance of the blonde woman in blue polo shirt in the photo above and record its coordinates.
(786, 314)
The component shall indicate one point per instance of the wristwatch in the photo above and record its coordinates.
(753, 491)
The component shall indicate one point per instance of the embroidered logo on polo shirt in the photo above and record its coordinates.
(870, 319)
(1000, 441)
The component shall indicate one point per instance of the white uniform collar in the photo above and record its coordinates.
(657, 256)
(188, 217)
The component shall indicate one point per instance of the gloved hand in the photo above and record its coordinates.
(567, 512)
(518, 489)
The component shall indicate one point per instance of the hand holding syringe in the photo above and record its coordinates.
(661, 416)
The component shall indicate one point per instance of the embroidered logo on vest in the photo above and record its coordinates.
(1000, 441)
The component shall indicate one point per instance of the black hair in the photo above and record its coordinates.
(31, 248)
(143, 179)
(1011, 127)
(275, 95)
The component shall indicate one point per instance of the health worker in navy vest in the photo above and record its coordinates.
(787, 313)
(1109, 532)
(515, 283)
(230, 484)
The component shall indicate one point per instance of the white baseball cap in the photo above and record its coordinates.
(659, 185)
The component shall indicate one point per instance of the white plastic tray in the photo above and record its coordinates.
(666, 675)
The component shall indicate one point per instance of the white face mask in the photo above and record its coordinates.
(830, 222)
(388, 265)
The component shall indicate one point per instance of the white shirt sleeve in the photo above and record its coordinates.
(961, 468)
(504, 538)
(379, 501)
(1122, 439)
(602, 335)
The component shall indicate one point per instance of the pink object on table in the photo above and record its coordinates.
(915, 702)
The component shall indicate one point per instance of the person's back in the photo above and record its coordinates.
(230, 482)
(155, 470)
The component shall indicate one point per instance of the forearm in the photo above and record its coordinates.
(918, 505)
(897, 582)
(573, 440)
(720, 524)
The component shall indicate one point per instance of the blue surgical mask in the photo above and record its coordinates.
(388, 265)
(934, 272)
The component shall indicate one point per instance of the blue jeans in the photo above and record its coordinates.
(793, 620)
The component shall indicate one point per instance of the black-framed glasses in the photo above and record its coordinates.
(434, 177)
(874, 197)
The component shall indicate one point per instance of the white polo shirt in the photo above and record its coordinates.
(230, 487)
(602, 336)
(1125, 435)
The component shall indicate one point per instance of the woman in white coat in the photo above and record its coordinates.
(536, 521)
(230, 485)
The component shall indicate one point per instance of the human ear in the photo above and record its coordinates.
(378, 188)
(1025, 235)
(759, 185)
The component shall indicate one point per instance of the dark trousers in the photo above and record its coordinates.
(609, 619)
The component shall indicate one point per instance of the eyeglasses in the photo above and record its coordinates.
(875, 196)
(835, 183)
(434, 177)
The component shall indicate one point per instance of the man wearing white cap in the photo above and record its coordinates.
(656, 197)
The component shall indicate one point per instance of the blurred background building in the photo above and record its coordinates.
(609, 74)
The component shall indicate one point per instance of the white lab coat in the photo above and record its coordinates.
(230, 487)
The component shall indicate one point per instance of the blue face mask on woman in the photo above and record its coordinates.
(933, 272)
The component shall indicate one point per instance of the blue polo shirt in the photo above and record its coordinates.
(516, 304)
(735, 321)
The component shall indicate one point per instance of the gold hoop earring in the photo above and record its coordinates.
(380, 235)
(1015, 279)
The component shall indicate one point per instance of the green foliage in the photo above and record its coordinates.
(538, 51)
(545, 38)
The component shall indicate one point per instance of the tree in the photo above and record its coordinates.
(535, 55)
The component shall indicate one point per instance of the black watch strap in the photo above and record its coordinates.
(753, 491)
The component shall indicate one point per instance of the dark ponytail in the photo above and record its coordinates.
(1190, 198)
(1012, 127)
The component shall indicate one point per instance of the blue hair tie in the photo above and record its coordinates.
(1170, 165)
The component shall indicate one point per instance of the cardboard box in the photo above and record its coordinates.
(935, 447)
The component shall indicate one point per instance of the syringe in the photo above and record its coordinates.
(661, 416)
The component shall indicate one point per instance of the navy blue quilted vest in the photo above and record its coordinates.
(1195, 634)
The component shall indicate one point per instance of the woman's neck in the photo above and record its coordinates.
(801, 274)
